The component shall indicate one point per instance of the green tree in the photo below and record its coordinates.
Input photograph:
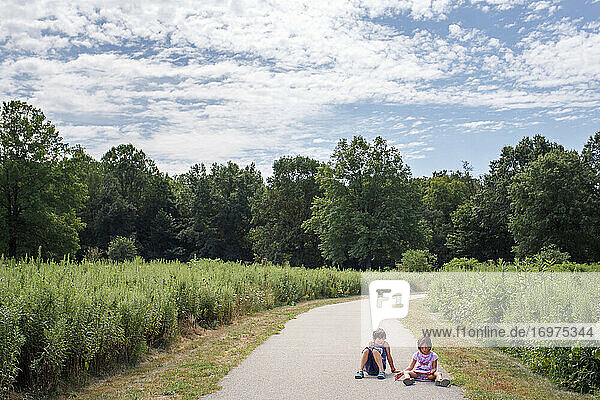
(88, 172)
(370, 212)
(281, 208)
(193, 202)
(554, 203)
(481, 225)
(132, 199)
(216, 211)
(417, 261)
(468, 238)
(41, 192)
(442, 194)
(232, 192)
(591, 156)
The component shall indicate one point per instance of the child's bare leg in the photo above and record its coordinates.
(409, 374)
(440, 380)
(431, 377)
(363, 359)
(378, 360)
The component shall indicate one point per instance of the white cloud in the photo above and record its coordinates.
(239, 79)
(539, 5)
(569, 118)
(564, 60)
(418, 9)
(560, 111)
(455, 30)
(488, 125)
(500, 4)
(416, 150)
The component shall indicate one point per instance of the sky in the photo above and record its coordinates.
(188, 82)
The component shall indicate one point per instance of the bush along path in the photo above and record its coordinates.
(538, 297)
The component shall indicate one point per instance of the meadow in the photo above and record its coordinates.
(65, 320)
(533, 290)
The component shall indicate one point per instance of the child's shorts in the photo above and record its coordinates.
(371, 366)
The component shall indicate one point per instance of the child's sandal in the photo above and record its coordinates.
(381, 375)
(409, 381)
(359, 375)
(444, 382)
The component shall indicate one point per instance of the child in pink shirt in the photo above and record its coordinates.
(423, 366)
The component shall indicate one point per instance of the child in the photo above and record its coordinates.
(423, 366)
(374, 356)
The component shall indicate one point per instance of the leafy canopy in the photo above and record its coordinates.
(131, 198)
(553, 202)
(41, 190)
(281, 208)
(369, 212)
(481, 224)
(216, 211)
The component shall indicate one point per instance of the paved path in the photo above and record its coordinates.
(315, 357)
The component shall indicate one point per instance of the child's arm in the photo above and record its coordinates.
(389, 357)
(433, 367)
(412, 365)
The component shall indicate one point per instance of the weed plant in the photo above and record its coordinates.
(532, 290)
(65, 320)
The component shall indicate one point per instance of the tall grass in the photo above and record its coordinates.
(64, 320)
(524, 296)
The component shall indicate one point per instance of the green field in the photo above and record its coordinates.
(537, 291)
(65, 320)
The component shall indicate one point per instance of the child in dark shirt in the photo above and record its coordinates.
(374, 357)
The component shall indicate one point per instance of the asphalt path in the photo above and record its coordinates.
(316, 356)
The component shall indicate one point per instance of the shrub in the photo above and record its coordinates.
(576, 368)
(553, 254)
(464, 264)
(550, 258)
(121, 249)
(417, 261)
(533, 297)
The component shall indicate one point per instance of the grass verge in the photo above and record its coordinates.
(487, 373)
(195, 365)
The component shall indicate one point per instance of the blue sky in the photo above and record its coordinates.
(212, 81)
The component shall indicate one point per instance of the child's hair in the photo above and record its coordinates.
(379, 333)
(424, 341)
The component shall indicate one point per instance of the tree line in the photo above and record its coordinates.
(362, 209)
